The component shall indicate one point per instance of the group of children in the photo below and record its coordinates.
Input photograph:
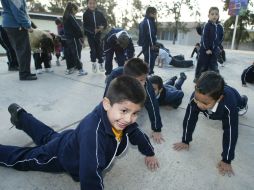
(85, 152)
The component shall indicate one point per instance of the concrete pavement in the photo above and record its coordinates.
(61, 101)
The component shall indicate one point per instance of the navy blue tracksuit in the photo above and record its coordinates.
(151, 103)
(73, 46)
(4, 41)
(227, 112)
(212, 37)
(83, 152)
(111, 46)
(147, 39)
(248, 75)
(91, 21)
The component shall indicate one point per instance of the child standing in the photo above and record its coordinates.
(74, 38)
(138, 69)
(196, 50)
(248, 75)
(211, 39)
(148, 37)
(169, 93)
(217, 101)
(94, 22)
(117, 42)
(85, 152)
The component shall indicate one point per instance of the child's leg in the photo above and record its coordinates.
(108, 61)
(38, 131)
(29, 158)
(171, 81)
(37, 60)
(120, 57)
(92, 45)
(180, 81)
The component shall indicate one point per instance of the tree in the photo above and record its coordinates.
(244, 19)
(107, 7)
(58, 6)
(166, 9)
(36, 6)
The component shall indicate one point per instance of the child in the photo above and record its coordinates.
(58, 42)
(94, 23)
(85, 152)
(148, 37)
(117, 42)
(248, 75)
(73, 44)
(196, 50)
(211, 39)
(216, 101)
(138, 69)
(169, 93)
(42, 46)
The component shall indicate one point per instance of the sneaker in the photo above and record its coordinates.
(101, 68)
(14, 109)
(183, 76)
(49, 70)
(69, 71)
(94, 67)
(81, 72)
(39, 71)
(57, 62)
(243, 110)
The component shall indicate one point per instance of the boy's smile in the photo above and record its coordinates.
(121, 114)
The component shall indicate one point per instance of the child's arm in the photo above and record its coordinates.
(137, 137)
(243, 77)
(153, 110)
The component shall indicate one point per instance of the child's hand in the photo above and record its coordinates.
(244, 85)
(209, 52)
(152, 163)
(180, 146)
(157, 137)
(225, 168)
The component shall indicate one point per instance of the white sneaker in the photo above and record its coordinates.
(101, 68)
(69, 71)
(49, 70)
(94, 67)
(39, 71)
(81, 72)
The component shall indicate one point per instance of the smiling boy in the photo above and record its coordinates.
(85, 152)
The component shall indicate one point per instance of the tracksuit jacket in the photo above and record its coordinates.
(227, 112)
(151, 103)
(248, 75)
(83, 152)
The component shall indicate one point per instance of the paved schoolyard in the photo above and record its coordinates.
(61, 101)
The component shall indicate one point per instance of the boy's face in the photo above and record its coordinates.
(121, 114)
(213, 16)
(153, 15)
(142, 79)
(91, 4)
(204, 102)
(156, 89)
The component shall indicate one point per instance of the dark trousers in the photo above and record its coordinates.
(72, 52)
(120, 59)
(178, 84)
(40, 58)
(206, 63)
(19, 40)
(150, 57)
(178, 61)
(11, 55)
(43, 157)
(95, 48)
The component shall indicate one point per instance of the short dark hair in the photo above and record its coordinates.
(135, 67)
(156, 80)
(213, 9)
(126, 88)
(150, 10)
(123, 40)
(210, 83)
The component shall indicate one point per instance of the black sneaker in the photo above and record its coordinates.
(244, 108)
(183, 76)
(14, 109)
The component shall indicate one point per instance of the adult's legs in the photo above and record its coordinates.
(19, 40)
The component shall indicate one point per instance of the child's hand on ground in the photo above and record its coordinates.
(152, 163)
(244, 85)
(180, 146)
(225, 168)
(209, 52)
(157, 137)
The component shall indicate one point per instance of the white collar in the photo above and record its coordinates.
(214, 109)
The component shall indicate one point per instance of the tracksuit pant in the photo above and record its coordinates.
(120, 59)
(95, 48)
(40, 58)
(19, 40)
(42, 157)
(72, 52)
(150, 57)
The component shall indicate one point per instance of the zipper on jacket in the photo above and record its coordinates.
(117, 145)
